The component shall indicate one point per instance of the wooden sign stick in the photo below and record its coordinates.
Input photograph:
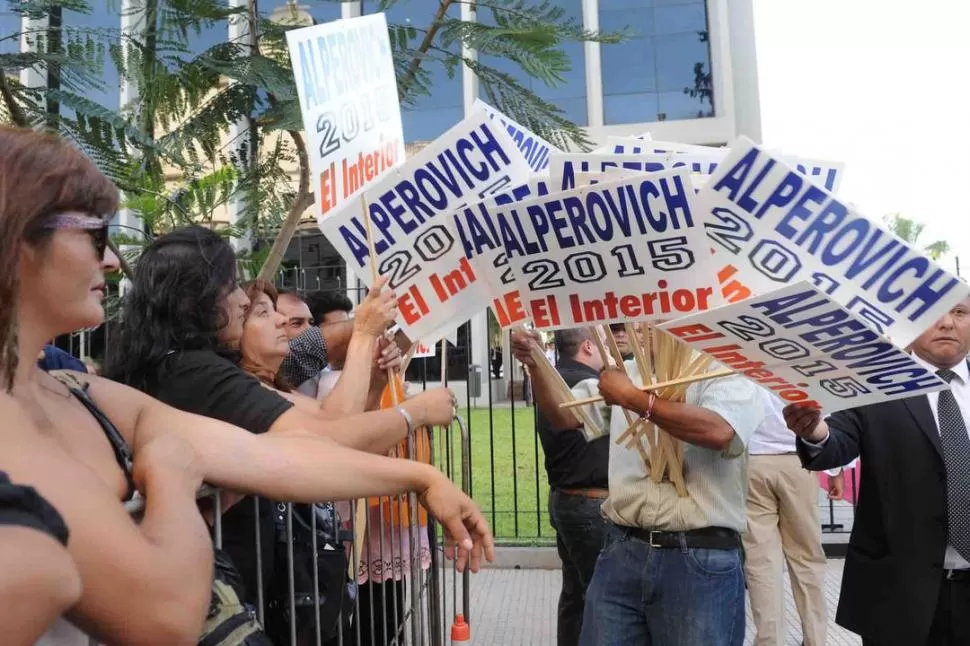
(717, 374)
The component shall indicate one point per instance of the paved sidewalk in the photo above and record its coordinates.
(518, 608)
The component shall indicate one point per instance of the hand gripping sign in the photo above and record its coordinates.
(437, 287)
(804, 347)
(625, 250)
(773, 226)
(348, 95)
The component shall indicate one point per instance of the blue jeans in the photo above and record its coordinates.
(644, 596)
(580, 531)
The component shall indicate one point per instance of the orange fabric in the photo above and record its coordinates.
(396, 513)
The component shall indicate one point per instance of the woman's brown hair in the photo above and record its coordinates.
(254, 289)
(40, 175)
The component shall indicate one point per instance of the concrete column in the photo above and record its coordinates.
(132, 22)
(31, 34)
(469, 80)
(240, 132)
(594, 71)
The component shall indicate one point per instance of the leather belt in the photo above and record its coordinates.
(586, 493)
(711, 538)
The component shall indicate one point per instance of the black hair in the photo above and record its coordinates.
(568, 341)
(174, 303)
(322, 303)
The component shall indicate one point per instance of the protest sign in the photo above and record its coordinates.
(643, 255)
(348, 96)
(436, 286)
(423, 350)
(624, 146)
(563, 167)
(801, 345)
(493, 262)
(772, 227)
(534, 148)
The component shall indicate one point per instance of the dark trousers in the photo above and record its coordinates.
(580, 532)
(951, 622)
(383, 629)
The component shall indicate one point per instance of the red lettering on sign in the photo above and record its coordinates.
(508, 309)
(328, 189)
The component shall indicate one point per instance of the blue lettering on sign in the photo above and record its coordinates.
(652, 205)
(569, 169)
(847, 342)
(433, 187)
(830, 173)
(340, 63)
(896, 278)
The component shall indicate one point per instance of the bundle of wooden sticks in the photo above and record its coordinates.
(667, 366)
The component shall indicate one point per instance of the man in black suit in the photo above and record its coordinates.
(907, 572)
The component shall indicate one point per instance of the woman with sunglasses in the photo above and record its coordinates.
(150, 582)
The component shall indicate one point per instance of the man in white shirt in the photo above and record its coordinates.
(907, 571)
(783, 526)
(670, 573)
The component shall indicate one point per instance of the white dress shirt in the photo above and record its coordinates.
(716, 481)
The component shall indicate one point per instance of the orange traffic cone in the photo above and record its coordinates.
(460, 631)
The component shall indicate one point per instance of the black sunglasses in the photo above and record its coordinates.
(95, 227)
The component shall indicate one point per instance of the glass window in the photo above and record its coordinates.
(570, 93)
(430, 115)
(663, 71)
(75, 24)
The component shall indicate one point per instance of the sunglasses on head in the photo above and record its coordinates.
(95, 227)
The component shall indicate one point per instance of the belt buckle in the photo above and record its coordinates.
(652, 544)
(950, 574)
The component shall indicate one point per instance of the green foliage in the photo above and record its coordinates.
(180, 123)
(910, 231)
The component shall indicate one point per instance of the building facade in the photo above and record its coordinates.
(687, 72)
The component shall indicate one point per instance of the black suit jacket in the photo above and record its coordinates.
(894, 566)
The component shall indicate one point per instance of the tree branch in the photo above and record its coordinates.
(17, 114)
(303, 201)
(415, 64)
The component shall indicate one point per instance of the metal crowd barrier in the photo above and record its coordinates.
(420, 620)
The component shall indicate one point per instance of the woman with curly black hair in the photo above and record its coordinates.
(93, 441)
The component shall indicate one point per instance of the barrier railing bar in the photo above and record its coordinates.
(316, 578)
(260, 600)
(491, 431)
(290, 567)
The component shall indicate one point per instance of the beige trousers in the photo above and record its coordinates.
(783, 522)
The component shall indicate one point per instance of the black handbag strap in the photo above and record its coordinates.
(118, 444)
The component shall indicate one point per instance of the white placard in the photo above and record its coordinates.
(348, 95)
(563, 167)
(802, 346)
(437, 287)
(625, 250)
(771, 227)
(534, 148)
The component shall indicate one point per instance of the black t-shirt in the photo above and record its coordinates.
(571, 461)
(204, 383)
(24, 507)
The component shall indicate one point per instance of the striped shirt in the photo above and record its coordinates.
(716, 480)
